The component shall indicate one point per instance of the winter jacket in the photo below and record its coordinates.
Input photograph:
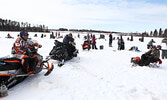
(110, 37)
(21, 46)
(151, 42)
(154, 53)
(119, 42)
(164, 44)
(88, 38)
(93, 40)
(135, 48)
(68, 40)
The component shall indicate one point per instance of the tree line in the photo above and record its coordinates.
(9, 25)
(156, 33)
(80, 30)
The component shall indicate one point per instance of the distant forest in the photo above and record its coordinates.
(155, 33)
(81, 30)
(9, 25)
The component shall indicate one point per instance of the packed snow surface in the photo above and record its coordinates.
(93, 75)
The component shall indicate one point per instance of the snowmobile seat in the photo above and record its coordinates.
(10, 64)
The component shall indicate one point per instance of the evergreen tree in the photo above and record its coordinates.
(151, 33)
(165, 33)
(9, 25)
(155, 33)
(160, 32)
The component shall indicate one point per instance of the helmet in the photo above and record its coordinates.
(23, 33)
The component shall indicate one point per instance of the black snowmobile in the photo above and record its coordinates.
(60, 53)
(11, 71)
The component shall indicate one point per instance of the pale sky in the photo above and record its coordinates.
(108, 15)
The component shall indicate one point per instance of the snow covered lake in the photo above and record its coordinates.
(93, 75)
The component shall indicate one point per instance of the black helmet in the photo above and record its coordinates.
(23, 33)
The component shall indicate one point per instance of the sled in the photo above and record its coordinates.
(136, 60)
(86, 45)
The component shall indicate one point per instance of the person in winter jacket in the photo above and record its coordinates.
(94, 42)
(121, 44)
(150, 44)
(164, 48)
(110, 39)
(22, 49)
(150, 56)
(88, 38)
(70, 44)
(135, 48)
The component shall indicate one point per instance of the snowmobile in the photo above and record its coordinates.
(86, 45)
(11, 72)
(60, 53)
(136, 61)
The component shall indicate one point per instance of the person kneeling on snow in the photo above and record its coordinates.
(69, 42)
(150, 44)
(150, 56)
(22, 50)
(135, 48)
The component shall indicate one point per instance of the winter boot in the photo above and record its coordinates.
(3, 91)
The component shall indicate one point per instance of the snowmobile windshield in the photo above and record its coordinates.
(31, 41)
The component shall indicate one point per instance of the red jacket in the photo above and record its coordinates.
(93, 39)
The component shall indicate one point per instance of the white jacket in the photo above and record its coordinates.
(164, 46)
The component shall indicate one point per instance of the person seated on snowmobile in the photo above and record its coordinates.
(22, 50)
(70, 45)
(150, 56)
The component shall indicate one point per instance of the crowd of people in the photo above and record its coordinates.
(22, 51)
(23, 48)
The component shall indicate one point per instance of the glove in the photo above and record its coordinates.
(29, 53)
(73, 43)
(39, 45)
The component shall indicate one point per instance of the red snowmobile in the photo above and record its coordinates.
(86, 45)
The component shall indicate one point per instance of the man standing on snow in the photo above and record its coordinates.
(94, 42)
(110, 39)
(164, 48)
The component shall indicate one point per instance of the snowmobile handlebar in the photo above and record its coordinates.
(33, 50)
